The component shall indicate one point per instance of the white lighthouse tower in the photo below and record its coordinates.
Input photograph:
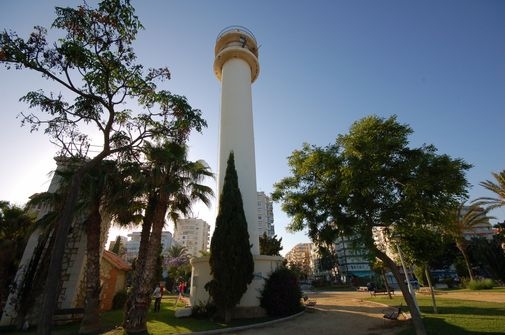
(236, 66)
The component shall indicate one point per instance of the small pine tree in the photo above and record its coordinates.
(231, 261)
(116, 247)
(270, 245)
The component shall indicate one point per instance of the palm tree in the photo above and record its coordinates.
(174, 184)
(498, 188)
(92, 199)
(466, 218)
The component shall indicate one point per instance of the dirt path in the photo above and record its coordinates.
(335, 313)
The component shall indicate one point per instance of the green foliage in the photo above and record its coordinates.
(231, 261)
(15, 226)
(480, 284)
(270, 245)
(119, 300)
(203, 311)
(117, 246)
(456, 316)
(489, 255)
(420, 244)
(281, 295)
(420, 275)
(98, 80)
(498, 188)
(369, 178)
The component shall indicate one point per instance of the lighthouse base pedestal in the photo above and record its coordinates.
(249, 305)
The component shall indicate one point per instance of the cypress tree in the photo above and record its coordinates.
(231, 261)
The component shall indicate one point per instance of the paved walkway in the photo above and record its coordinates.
(335, 313)
(346, 313)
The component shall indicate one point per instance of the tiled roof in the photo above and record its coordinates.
(116, 261)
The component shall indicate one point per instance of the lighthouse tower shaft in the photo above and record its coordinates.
(236, 66)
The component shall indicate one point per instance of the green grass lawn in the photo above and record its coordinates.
(163, 322)
(456, 317)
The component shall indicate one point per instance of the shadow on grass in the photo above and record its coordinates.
(467, 310)
(437, 326)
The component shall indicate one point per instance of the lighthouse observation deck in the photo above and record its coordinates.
(236, 42)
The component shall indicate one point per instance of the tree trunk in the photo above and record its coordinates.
(130, 307)
(90, 324)
(462, 249)
(386, 283)
(414, 312)
(50, 299)
(427, 274)
(136, 316)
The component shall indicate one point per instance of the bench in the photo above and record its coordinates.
(66, 315)
(384, 292)
(393, 315)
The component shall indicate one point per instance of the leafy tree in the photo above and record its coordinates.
(15, 225)
(95, 63)
(231, 260)
(489, 255)
(328, 260)
(371, 179)
(421, 245)
(270, 245)
(465, 218)
(301, 269)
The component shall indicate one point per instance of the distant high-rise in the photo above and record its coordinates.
(133, 244)
(194, 234)
(265, 215)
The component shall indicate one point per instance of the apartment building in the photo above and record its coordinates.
(194, 234)
(265, 215)
(133, 243)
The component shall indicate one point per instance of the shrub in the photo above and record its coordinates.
(203, 311)
(481, 284)
(281, 295)
(119, 299)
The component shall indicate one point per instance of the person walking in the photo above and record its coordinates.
(181, 289)
(157, 294)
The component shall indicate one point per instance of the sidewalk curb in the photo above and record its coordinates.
(254, 325)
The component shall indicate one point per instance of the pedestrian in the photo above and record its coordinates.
(157, 294)
(181, 289)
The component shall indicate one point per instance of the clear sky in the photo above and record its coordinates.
(438, 65)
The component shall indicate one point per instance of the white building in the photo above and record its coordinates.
(301, 256)
(353, 259)
(265, 215)
(194, 234)
(133, 244)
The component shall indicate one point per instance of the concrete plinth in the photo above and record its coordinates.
(263, 267)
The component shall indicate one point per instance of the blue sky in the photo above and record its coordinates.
(438, 65)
